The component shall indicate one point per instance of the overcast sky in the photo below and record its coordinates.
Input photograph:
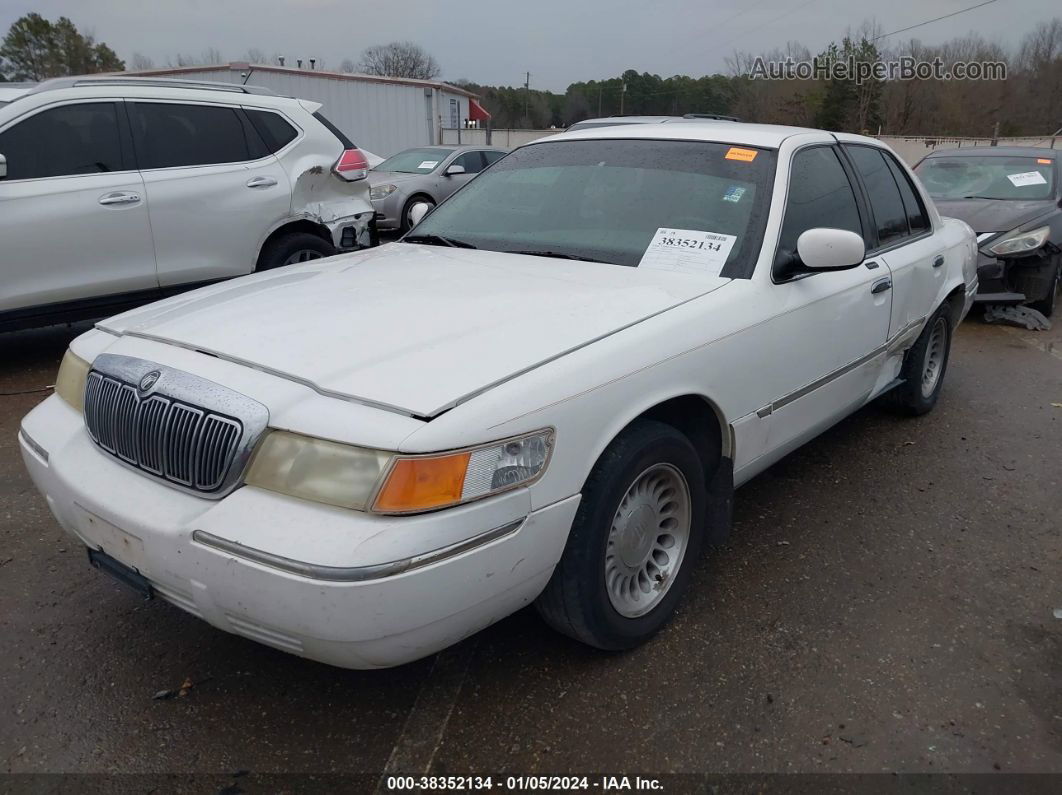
(558, 41)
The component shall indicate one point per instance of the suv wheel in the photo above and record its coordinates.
(293, 248)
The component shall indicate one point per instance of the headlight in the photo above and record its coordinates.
(347, 476)
(317, 470)
(381, 191)
(1020, 242)
(70, 383)
(423, 483)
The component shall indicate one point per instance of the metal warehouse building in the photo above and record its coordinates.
(382, 114)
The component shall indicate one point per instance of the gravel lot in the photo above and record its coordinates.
(884, 604)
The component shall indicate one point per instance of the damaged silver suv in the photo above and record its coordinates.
(115, 191)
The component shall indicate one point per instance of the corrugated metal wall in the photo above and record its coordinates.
(384, 118)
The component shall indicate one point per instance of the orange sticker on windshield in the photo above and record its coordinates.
(1043, 160)
(744, 155)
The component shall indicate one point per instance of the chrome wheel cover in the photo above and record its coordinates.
(936, 351)
(303, 255)
(647, 540)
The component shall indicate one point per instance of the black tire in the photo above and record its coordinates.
(277, 252)
(406, 224)
(576, 600)
(909, 397)
(1046, 305)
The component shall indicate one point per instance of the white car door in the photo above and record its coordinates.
(827, 334)
(213, 190)
(73, 219)
(905, 238)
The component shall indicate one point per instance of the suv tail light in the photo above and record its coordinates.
(352, 165)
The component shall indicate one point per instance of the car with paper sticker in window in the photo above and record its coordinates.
(545, 393)
(1012, 198)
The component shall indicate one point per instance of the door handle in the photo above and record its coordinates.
(938, 261)
(120, 198)
(261, 182)
(881, 285)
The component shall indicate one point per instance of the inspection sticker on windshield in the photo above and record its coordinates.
(687, 251)
(428, 164)
(1027, 178)
(733, 194)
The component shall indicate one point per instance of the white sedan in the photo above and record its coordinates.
(545, 393)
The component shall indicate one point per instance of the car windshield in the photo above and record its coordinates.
(607, 200)
(988, 177)
(415, 161)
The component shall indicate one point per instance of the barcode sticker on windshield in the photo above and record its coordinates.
(687, 251)
(428, 164)
(1027, 178)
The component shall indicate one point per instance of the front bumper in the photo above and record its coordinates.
(289, 573)
(1014, 280)
(389, 210)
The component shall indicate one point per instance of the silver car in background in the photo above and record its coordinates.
(426, 174)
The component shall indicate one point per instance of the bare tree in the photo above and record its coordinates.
(256, 56)
(348, 66)
(399, 59)
(140, 62)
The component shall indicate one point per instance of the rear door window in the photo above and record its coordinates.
(275, 131)
(890, 215)
(72, 139)
(169, 135)
(917, 218)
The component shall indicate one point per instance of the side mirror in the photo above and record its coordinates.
(826, 249)
(455, 169)
(417, 212)
(3, 167)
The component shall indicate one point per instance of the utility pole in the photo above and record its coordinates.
(623, 94)
(527, 98)
(600, 90)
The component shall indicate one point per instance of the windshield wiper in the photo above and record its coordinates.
(990, 198)
(437, 240)
(559, 255)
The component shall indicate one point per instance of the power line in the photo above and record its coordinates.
(937, 19)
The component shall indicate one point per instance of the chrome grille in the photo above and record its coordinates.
(184, 444)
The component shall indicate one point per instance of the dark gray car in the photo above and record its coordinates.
(1011, 196)
(426, 174)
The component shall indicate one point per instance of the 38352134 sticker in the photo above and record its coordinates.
(688, 251)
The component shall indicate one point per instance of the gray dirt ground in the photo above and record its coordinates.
(884, 604)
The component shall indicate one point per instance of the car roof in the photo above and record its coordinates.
(994, 151)
(767, 136)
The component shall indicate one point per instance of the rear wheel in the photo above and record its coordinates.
(924, 367)
(634, 542)
(292, 249)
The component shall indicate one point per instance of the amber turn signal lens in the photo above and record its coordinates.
(420, 484)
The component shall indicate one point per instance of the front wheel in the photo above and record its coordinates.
(407, 222)
(634, 542)
(1046, 305)
(924, 367)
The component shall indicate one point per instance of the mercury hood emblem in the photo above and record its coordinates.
(149, 381)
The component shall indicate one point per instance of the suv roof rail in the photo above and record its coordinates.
(154, 82)
(716, 116)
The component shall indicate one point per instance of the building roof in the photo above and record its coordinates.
(243, 66)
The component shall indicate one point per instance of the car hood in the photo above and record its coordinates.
(994, 215)
(410, 328)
